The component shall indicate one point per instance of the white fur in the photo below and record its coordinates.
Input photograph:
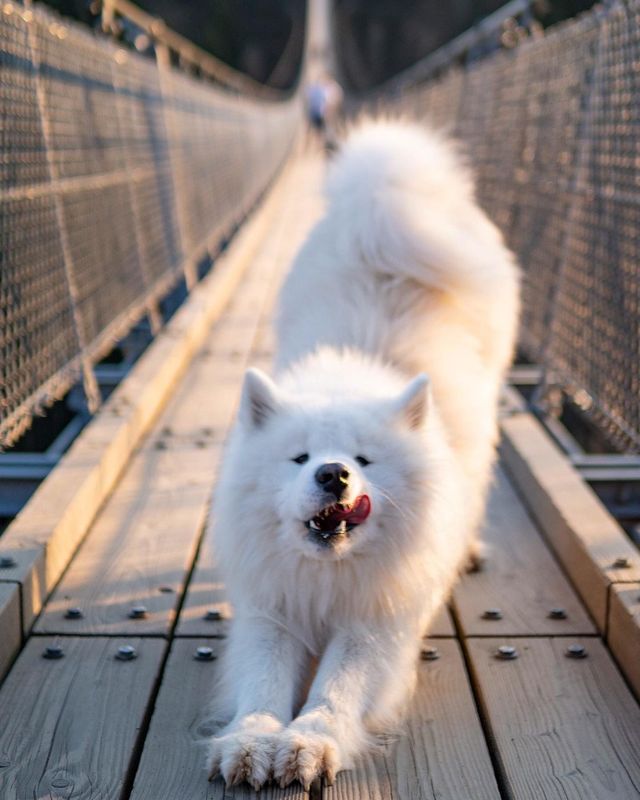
(403, 275)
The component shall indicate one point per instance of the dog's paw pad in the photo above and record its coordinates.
(305, 757)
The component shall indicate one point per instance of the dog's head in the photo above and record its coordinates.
(338, 471)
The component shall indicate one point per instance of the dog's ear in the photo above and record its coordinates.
(260, 398)
(413, 403)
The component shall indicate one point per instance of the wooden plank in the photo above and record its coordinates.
(520, 578)
(564, 728)
(69, 726)
(205, 611)
(140, 549)
(47, 532)
(10, 627)
(623, 631)
(173, 763)
(441, 753)
(442, 625)
(144, 539)
(583, 534)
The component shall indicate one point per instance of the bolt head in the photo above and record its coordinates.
(126, 653)
(492, 613)
(429, 654)
(166, 589)
(6, 562)
(204, 654)
(557, 613)
(621, 563)
(161, 445)
(506, 652)
(53, 651)
(576, 651)
(74, 613)
(213, 615)
(138, 612)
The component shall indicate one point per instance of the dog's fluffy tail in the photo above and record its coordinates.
(406, 200)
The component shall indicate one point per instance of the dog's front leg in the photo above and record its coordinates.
(355, 674)
(263, 671)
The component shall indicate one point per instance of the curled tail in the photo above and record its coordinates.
(406, 200)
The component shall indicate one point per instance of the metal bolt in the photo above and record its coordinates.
(166, 589)
(204, 654)
(6, 562)
(53, 651)
(429, 654)
(200, 443)
(506, 652)
(213, 615)
(160, 445)
(73, 613)
(621, 563)
(576, 651)
(138, 612)
(126, 653)
(166, 431)
(492, 613)
(557, 613)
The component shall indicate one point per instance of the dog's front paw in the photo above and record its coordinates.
(245, 754)
(305, 756)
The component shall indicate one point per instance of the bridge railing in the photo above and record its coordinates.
(551, 127)
(118, 173)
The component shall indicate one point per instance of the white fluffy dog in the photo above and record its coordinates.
(355, 482)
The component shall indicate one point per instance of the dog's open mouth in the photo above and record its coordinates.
(340, 517)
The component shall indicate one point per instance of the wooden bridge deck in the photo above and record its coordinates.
(88, 725)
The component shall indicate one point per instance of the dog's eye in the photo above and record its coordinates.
(301, 459)
(364, 462)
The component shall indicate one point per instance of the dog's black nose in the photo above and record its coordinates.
(333, 478)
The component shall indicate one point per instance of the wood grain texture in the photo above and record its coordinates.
(623, 631)
(10, 628)
(441, 752)
(173, 763)
(520, 578)
(69, 726)
(583, 534)
(142, 544)
(564, 728)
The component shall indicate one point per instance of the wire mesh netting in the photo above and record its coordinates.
(116, 176)
(551, 129)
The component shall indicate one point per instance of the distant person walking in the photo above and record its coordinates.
(324, 101)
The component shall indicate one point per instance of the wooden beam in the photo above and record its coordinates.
(582, 533)
(10, 627)
(623, 632)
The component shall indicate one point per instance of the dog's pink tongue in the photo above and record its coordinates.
(360, 511)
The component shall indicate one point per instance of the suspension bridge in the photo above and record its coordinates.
(150, 207)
